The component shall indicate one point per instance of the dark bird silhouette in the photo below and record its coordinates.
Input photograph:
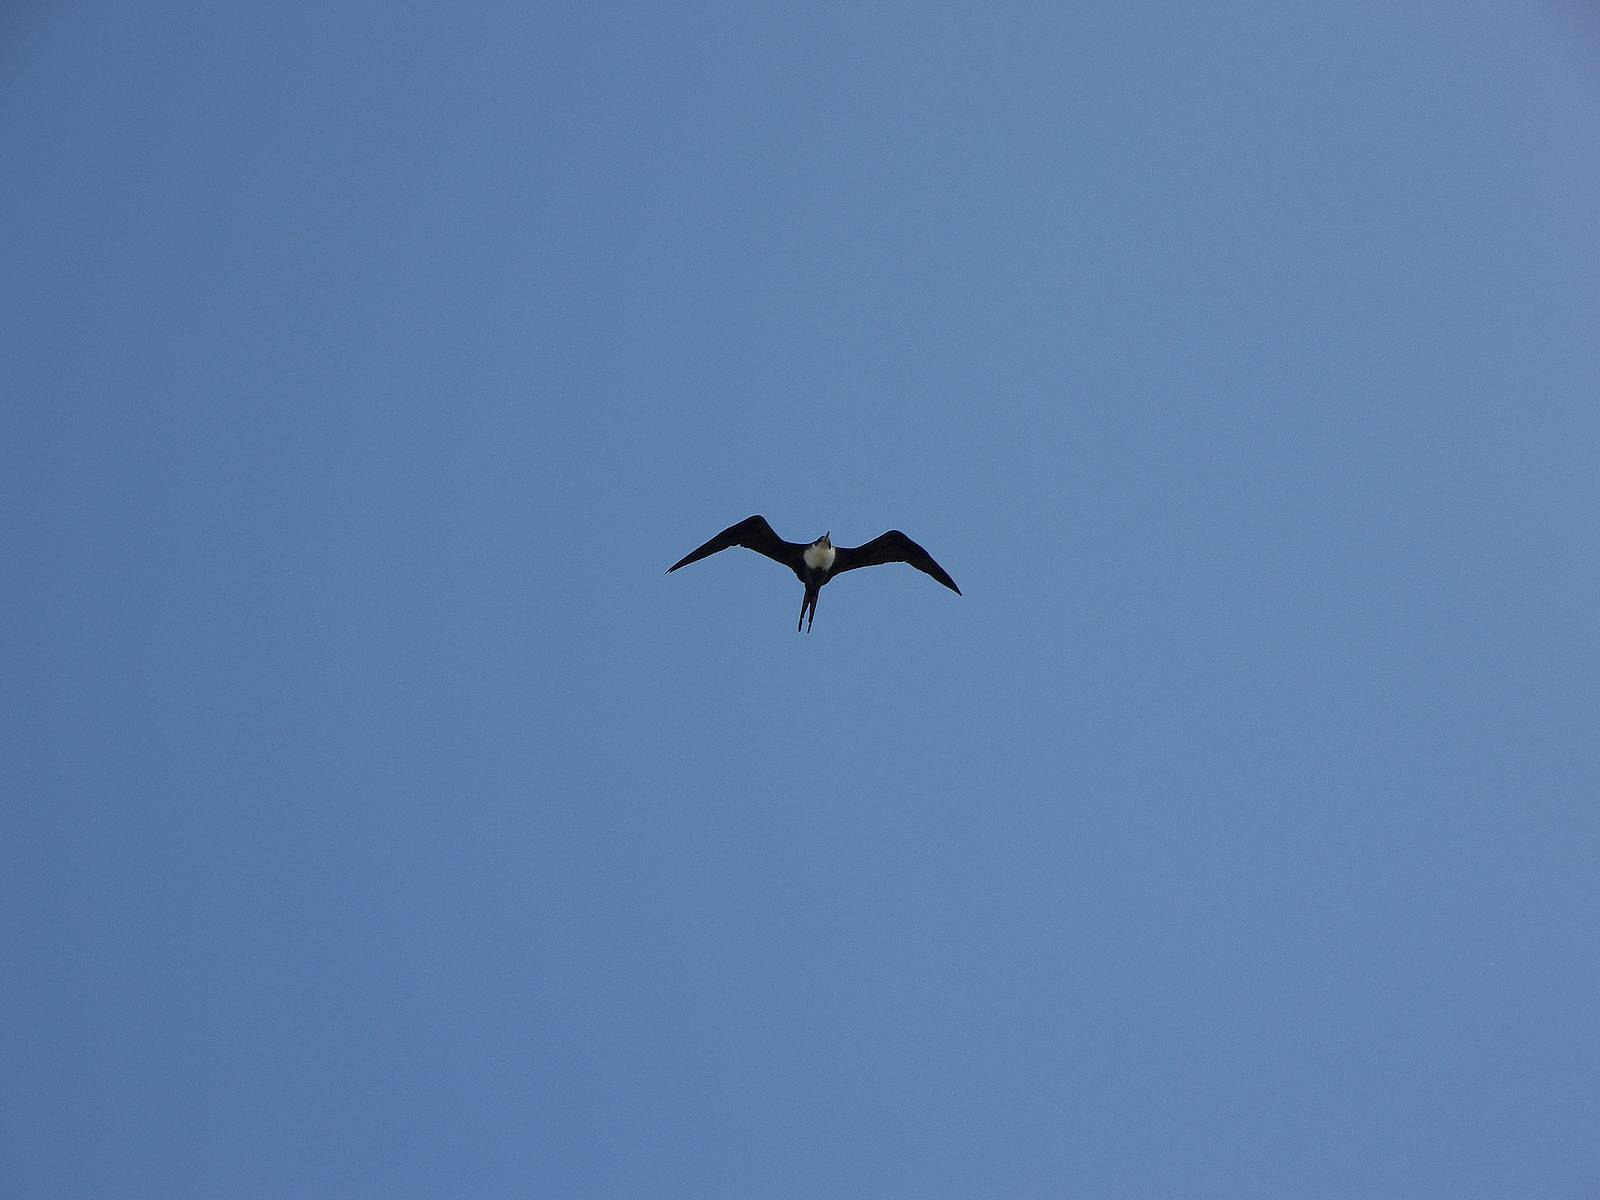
(821, 560)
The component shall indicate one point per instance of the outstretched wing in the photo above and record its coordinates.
(753, 533)
(893, 546)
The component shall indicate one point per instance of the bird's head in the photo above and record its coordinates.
(822, 541)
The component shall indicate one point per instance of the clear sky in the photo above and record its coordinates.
(380, 821)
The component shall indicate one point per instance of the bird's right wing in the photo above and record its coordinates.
(753, 533)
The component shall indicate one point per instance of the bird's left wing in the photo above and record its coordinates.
(753, 533)
(893, 546)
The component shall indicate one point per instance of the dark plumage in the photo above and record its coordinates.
(815, 564)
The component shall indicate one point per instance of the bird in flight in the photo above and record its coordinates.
(821, 560)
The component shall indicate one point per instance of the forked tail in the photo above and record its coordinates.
(808, 605)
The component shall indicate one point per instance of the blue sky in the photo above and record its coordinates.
(381, 821)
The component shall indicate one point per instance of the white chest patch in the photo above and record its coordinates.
(819, 558)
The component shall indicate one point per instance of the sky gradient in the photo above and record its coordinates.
(380, 820)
